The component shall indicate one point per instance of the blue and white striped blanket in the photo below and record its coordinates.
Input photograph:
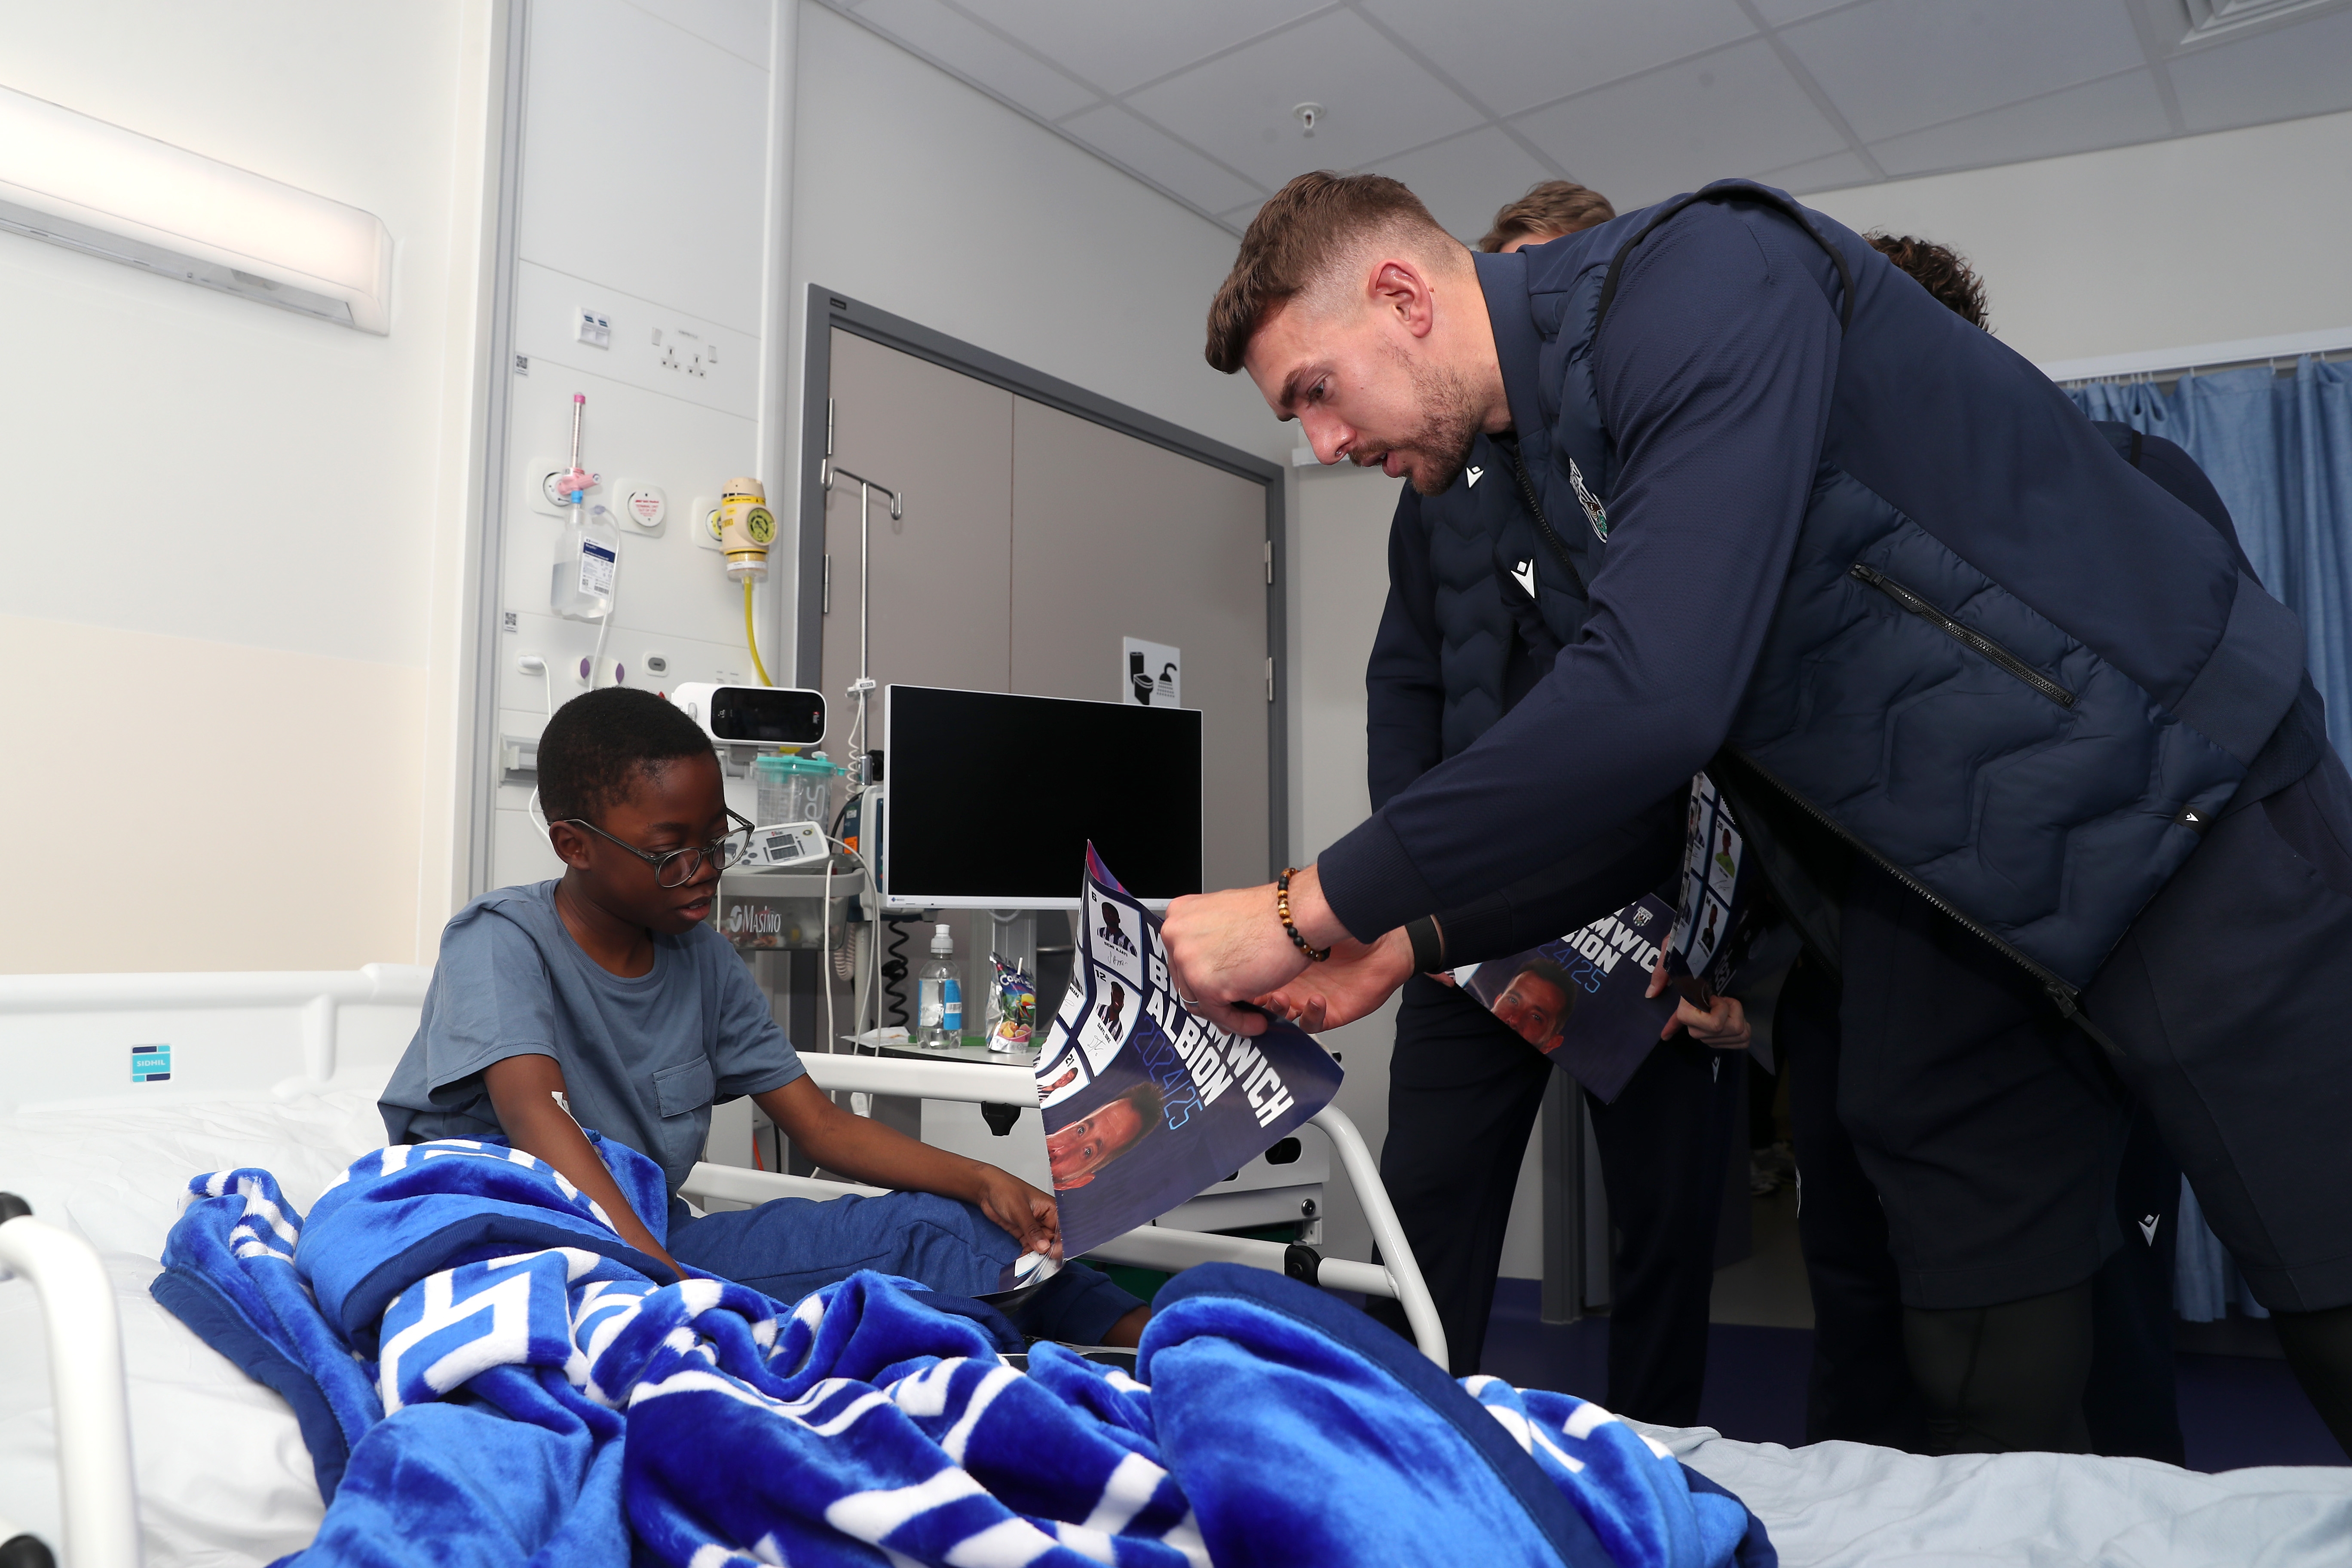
(484, 1373)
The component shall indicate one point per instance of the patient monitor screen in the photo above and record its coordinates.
(993, 798)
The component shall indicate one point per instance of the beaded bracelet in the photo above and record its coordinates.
(1281, 907)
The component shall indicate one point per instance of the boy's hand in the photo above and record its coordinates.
(1026, 1214)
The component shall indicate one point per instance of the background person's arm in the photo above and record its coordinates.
(1404, 689)
(866, 1151)
(522, 1091)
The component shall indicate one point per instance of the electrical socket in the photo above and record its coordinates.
(702, 521)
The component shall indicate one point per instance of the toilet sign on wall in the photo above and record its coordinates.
(1152, 673)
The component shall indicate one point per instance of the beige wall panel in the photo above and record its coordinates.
(1112, 537)
(176, 804)
(942, 574)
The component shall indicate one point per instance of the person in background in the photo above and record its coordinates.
(1861, 1388)
(604, 1001)
(1476, 610)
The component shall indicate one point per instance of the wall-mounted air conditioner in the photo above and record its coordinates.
(94, 187)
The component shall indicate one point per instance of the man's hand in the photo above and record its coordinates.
(1228, 947)
(1723, 1025)
(1352, 983)
(1027, 1215)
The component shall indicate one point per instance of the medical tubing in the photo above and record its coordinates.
(612, 597)
(750, 640)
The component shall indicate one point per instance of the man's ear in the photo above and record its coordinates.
(1402, 288)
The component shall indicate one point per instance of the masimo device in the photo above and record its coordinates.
(753, 715)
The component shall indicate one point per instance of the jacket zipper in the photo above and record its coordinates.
(2059, 992)
(1966, 636)
(1543, 524)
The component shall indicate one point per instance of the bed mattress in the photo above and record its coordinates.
(223, 1478)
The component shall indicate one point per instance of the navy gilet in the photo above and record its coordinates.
(1971, 674)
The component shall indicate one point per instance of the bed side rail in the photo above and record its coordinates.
(1397, 1276)
(100, 1508)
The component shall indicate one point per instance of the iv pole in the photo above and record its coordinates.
(864, 685)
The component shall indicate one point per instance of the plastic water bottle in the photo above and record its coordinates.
(939, 995)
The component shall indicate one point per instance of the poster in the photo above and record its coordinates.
(1145, 1105)
(1581, 998)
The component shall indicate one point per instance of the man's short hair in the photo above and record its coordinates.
(1940, 269)
(1310, 224)
(1551, 208)
(599, 743)
(1148, 1102)
(1553, 975)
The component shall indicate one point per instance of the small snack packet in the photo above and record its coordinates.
(1011, 1006)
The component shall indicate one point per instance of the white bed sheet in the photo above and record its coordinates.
(1842, 1505)
(223, 1478)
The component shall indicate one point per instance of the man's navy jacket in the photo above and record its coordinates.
(1869, 564)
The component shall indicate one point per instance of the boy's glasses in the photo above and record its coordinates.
(679, 866)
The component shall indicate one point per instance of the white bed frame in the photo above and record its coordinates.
(66, 1040)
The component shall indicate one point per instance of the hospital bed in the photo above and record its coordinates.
(170, 1451)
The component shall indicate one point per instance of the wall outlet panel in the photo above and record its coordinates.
(700, 360)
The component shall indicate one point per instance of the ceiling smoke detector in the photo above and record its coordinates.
(1307, 114)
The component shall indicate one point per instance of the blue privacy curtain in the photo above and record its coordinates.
(2279, 450)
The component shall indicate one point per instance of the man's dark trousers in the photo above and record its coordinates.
(1464, 1093)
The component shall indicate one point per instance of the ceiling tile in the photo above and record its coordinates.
(1894, 66)
(1239, 218)
(1377, 101)
(1117, 46)
(2109, 113)
(1515, 54)
(965, 48)
(1730, 112)
(1463, 181)
(1835, 173)
(2303, 70)
(1780, 13)
(1160, 157)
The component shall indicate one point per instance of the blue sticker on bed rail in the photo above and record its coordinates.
(150, 1064)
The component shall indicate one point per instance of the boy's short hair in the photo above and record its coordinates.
(598, 744)
(1940, 269)
(1551, 208)
(1296, 237)
(1551, 974)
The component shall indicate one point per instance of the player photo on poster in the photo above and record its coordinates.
(1581, 999)
(1145, 1105)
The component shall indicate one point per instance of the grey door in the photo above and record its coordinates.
(1114, 537)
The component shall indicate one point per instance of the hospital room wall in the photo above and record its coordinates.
(231, 575)
(2213, 238)
(907, 190)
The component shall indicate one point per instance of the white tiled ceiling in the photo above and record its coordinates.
(1470, 101)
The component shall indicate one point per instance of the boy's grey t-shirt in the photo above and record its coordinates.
(643, 1060)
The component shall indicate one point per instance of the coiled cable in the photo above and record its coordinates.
(894, 968)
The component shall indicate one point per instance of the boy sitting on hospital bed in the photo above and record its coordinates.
(608, 987)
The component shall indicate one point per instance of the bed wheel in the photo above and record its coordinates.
(1301, 1262)
(23, 1550)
